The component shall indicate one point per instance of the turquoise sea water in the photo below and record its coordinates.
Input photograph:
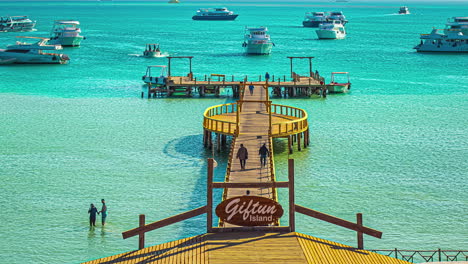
(394, 148)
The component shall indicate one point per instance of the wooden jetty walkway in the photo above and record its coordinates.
(252, 121)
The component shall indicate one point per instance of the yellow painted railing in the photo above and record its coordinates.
(298, 125)
(217, 125)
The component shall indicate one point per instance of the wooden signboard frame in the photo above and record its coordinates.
(293, 208)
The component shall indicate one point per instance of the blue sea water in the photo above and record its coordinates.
(394, 148)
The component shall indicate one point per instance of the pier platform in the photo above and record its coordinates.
(250, 248)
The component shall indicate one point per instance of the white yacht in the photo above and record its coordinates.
(257, 41)
(16, 24)
(314, 19)
(34, 53)
(457, 24)
(221, 13)
(454, 41)
(154, 77)
(152, 51)
(403, 10)
(337, 15)
(66, 33)
(339, 87)
(334, 30)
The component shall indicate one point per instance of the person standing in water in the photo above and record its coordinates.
(92, 215)
(103, 212)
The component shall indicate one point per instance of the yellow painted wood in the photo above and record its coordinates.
(252, 248)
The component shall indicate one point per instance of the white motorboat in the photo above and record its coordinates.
(334, 30)
(337, 15)
(173, 1)
(454, 41)
(152, 51)
(34, 53)
(220, 13)
(403, 10)
(339, 87)
(457, 24)
(314, 19)
(16, 24)
(155, 78)
(257, 41)
(66, 33)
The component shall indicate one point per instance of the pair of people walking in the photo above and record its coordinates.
(93, 211)
(243, 155)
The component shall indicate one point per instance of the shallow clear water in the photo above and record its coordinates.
(394, 148)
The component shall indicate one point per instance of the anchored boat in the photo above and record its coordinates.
(32, 53)
(16, 24)
(314, 19)
(256, 41)
(153, 77)
(337, 15)
(454, 41)
(66, 33)
(339, 87)
(221, 13)
(334, 30)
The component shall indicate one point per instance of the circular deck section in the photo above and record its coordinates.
(285, 120)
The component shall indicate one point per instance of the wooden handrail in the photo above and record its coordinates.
(338, 221)
(164, 222)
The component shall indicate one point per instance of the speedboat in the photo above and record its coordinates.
(152, 51)
(173, 1)
(16, 24)
(334, 30)
(454, 41)
(158, 79)
(457, 24)
(337, 15)
(339, 87)
(403, 10)
(221, 13)
(256, 41)
(314, 19)
(34, 53)
(66, 33)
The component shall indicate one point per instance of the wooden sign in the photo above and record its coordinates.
(249, 211)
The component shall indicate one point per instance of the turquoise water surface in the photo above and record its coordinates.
(394, 148)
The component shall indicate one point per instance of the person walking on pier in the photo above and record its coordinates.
(242, 155)
(263, 152)
(92, 215)
(267, 77)
(103, 212)
(251, 88)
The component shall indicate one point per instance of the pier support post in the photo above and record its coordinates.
(292, 207)
(299, 141)
(209, 198)
(223, 140)
(360, 237)
(210, 140)
(290, 145)
(305, 139)
(218, 142)
(141, 235)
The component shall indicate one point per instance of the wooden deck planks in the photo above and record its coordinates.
(253, 133)
(252, 248)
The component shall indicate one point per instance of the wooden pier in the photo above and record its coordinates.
(311, 85)
(252, 121)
